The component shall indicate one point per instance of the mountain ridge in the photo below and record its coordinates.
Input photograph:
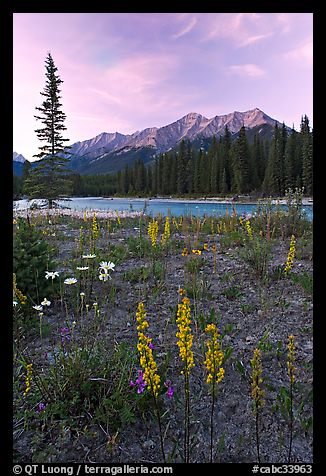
(99, 152)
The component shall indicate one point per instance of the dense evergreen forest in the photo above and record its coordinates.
(227, 167)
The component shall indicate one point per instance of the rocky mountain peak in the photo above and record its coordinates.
(18, 157)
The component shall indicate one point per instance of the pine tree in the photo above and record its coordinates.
(49, 179)
(306, 154)
(290, 159)
(182, 169)
(241, 160)
(274, 177)
(214, 167)
(227, 142)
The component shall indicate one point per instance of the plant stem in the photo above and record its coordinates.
(187, 419)
(212, 420)
(160, 428)
(257, 433)
(291, 422)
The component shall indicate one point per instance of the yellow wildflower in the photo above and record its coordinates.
(196, 252)
(17, 293)
(214, 356)
(184, 252)
(248, 228)
(144, 347)
(166, 232)
(28, 379)
(291, 359)
(185, 336)
(95, 228)
(118, 217)
(175, 223)
(256, 391)
(153, 231)
(290, 257)
(206, 247)
(182, 291)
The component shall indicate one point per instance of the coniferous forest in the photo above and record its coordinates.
(256, 166)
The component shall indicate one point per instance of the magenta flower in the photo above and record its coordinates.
(151, 346)
(40, 407)
(170, 390)
(139, 382)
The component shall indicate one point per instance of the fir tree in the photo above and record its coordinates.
(182, 169)
(241, 160)
(290, 160)
(49, 179)
(306, 155)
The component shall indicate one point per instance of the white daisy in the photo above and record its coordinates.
(70, 281)
(82, 268)
(15, 303)
(104, 277)
(89, 256)
(38, 308)
(106, 266)
(45, 302)
(51, 274)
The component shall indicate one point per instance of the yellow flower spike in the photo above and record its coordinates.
(185, 336)
(248, 228)
(214, 356)
(146, 359)
(95, 228)
(166, 232)
(206, 247)
(291, 359)
(196, 252)
(153, 231)
(28, 378)
(257, 392)
(184, 252)
(290, 257)
(118, 217)
(17, 293)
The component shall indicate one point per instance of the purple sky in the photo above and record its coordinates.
(128, 71)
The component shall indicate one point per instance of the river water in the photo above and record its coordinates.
(163, 206)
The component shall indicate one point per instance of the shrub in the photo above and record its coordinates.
(32, 256)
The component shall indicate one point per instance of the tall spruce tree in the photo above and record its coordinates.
(49, 179)
(241, 163)
(306, 155)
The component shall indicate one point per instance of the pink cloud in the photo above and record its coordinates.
(303, 53)
(249, 69)
(186, 29)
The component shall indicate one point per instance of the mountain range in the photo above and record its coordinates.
(110, 152)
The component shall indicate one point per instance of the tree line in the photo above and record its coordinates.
(265, 167)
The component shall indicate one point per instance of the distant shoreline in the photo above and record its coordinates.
(222, 201)
(308, 201)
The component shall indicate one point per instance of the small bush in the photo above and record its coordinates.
(32, 256)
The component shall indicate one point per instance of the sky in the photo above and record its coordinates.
(128, 71)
